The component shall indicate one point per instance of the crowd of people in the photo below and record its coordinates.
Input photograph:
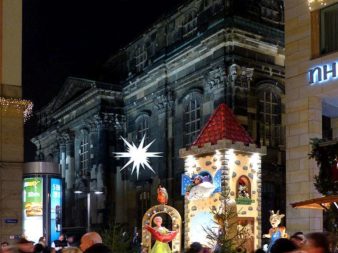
(297, 243)
(90, 243)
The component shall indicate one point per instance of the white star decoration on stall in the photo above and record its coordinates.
(138, 156)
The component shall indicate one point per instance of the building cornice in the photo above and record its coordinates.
(92, 94)
(225, 144)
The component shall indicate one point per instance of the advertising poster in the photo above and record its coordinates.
(55, 208)
(32, 208)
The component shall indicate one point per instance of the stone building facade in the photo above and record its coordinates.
(178, 71)
(80, 131)
(311, 99)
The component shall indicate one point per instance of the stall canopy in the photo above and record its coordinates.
(322, 203)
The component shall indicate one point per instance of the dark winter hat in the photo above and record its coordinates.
(196, 247)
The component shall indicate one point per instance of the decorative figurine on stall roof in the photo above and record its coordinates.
(162, 236)
(162, 195)
(275, 232)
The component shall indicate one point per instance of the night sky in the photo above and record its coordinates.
(74, 38)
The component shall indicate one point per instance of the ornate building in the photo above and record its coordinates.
(80, 131)
(205, 53)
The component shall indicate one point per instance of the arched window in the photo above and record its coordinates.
(192, 117)
(84, 151)
(270, 118)
(142, 128)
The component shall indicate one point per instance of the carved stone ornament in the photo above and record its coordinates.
(164, 100)
(215, 78)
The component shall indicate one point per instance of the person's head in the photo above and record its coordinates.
(275, 218)
(4, 244)
(89, 239)
(70, 239)
(316, 243)
(206, 250)
(38, 247)
(98, 248)
(61, 237)
(25, 246)
(260, 250)
(158, 221)
(298, 239)
(197, 180)
(195, 247)
(283, 245)
(71, 250)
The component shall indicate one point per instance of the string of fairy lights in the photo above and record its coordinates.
(317, 4)
(21, 105)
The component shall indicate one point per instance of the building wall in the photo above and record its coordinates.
(81, 136)
(11, 119)
(303, 111)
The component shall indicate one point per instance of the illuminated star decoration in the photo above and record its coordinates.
(138, 156)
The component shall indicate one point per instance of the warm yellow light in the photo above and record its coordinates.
(317, 4)
(254, 161)
(217, 157)
(23, 105)
(190, 164)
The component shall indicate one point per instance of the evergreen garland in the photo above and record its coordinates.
(326, 158)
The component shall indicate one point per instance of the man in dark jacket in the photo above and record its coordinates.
(59, 244)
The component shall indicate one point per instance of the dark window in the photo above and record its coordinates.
(84, 153)
(326, 128)
(192, 120)
(329, 29)
(270, 118)
(142, 128)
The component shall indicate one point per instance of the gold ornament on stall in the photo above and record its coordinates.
(21, 105)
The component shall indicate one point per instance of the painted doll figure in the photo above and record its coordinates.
(162, 236)
(200, 188)
(275, 232)
(162, 195)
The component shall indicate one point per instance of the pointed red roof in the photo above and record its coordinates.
(222, 125)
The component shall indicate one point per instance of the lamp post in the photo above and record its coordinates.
(97, 192)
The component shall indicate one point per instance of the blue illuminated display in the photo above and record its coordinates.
(55, 208)
(323, 73)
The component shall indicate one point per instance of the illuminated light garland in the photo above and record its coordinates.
(317, 4)
(23, 105)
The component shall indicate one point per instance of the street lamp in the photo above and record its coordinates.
(97, 192)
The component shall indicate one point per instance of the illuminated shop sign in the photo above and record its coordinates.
(32, 208)
(55, 208)
(323, 73)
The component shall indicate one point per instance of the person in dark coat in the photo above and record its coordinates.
(59, 244)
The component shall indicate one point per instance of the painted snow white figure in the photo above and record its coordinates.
(162, 236)
(275, 232)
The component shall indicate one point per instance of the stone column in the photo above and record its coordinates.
(69, 175)
(304, 121)
(164, 102)
(62, 157)
(101, 175)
